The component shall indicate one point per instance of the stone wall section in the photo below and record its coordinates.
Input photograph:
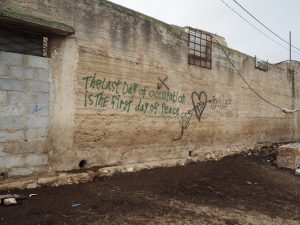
(93, 120)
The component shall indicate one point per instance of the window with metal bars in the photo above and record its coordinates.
(23, 42)
(200, 48)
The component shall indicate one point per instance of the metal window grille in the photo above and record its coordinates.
(200, 48)
(23, 42)
(261, 64)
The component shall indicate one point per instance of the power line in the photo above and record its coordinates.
(249, 86)
(257, 27)
(264, 25)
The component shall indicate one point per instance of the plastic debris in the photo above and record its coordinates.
(32, 195)
(76, 205)
(9, 201)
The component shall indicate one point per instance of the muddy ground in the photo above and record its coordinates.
(235, 190)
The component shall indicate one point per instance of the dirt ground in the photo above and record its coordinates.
(235, 190)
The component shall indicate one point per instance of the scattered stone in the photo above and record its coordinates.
(11, 196)
(248, 182)
(181, 163)
(208, 156)
(297, 171)
(9, 201)
(67, 178)
(105, 171)
(76, 205)
(129, 169)
(32, 186)
(191, 160)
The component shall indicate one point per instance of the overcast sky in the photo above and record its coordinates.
(281, 16)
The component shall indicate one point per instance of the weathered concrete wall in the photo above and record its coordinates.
(108, 104)
(24, 114)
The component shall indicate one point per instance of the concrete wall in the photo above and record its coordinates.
(107, 99)
(24, 114)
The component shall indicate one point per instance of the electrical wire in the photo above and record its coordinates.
(264, 25)
(287, 111)
(255, 27)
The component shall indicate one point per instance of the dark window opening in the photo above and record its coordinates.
(23, 42)
(200, 48)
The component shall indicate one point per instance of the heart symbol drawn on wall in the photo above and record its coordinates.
(199, 103)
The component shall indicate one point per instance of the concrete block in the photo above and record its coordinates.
(7, 162)
(36, 133)
(3, 97)
(289, 149)
(42, 98)
(20, 97)
(23, 147)
(19, 172)
(2, 149)
(11, 123)
(29, 73)
(38, 62)
(11, 85)
(15, 72)
(42, 75)
(12, 110)
(36, 86)
(36, 159)
(289, 156)
(38, 109)
(25, 171)
(11, 136)
(12, 58)
(3, 70)
(37, 122)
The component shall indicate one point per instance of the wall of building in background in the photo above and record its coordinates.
(123, 92)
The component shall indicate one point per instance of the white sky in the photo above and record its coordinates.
(281, 16)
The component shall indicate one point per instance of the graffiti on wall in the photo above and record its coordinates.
(162, 83)
(131, 96)
(220, 103)
(199, 101)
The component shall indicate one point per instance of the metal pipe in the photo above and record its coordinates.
(290, 46)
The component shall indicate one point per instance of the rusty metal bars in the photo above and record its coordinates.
(199, 48)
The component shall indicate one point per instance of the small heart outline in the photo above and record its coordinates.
(199, 104)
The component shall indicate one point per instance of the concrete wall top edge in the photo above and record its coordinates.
(35, 23)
